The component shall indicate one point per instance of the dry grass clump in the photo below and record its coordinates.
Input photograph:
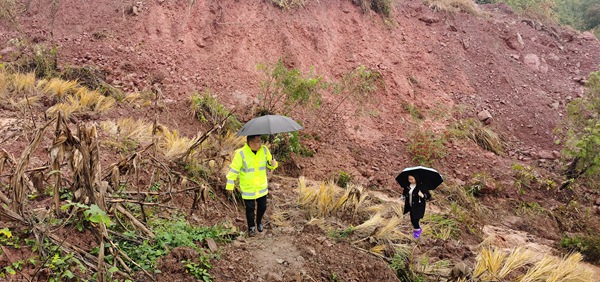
(142, 98)
(24, 82)
(328, 198)
(352, 199)
(553, 269)
(22, 90)
(369, 227)
(288, 4)
(173, 145)
(496, 265)
(58, 88)
(483, 136)
(81, 100)
(453, 6)
(126, 134)
(319, 201)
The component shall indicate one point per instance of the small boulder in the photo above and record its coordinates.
(544, 154)
(212, 245)
(588, 36)
(485, 116)
(429, 18)
(553, 57)
(598, 202)
(514, 41)
(532, 61)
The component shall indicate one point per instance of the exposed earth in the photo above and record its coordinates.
(447, 66)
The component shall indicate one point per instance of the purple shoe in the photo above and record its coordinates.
(417, 233)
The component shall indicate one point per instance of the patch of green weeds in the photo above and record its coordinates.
(424, 146)
(340, 234)
(198, 270)
(7, 239)
(335, 278)
(413, 111)
(343, 179)
(525, 177)
(286, 89)
(42, 60)
(587, 245)
(400, 263)
(442, 226)
(530, 208)
(284, 144)
(91, 213)
(478, 183)
(208, 109)
(174, 233)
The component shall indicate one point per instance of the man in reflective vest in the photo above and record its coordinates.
(250, 163)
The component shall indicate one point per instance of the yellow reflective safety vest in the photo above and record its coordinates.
(252, 170)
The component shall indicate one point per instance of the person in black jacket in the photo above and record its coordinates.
(415, 196)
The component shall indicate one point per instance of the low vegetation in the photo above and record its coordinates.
(587, 245)
(582, 135)
(105, 200)
(285, 90)
(494, 265)
(453, 6)
(425, 146)
(483, 136)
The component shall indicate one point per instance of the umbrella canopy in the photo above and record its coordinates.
(269, 124)
(431, 177)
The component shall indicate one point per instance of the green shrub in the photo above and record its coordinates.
(343, 179)
(382, 7)
(358, 85)
(582, 135)
(286, 89)
(589, 246)
(42, 60)
(413, 111)
(425, 145)
(208, 109)
(284, 144)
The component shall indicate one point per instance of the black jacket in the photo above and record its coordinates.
(418, 203)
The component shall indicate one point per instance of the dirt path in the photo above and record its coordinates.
(276, 257)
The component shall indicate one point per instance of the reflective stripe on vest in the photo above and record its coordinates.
(245, 168)
(252, 194)
(230, 181)
(234, 171)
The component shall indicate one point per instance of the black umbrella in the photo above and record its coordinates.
(431, 177)
(269, 124)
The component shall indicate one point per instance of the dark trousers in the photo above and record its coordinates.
(414, 219)
(250, 205)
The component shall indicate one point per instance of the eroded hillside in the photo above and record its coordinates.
(437, 69)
